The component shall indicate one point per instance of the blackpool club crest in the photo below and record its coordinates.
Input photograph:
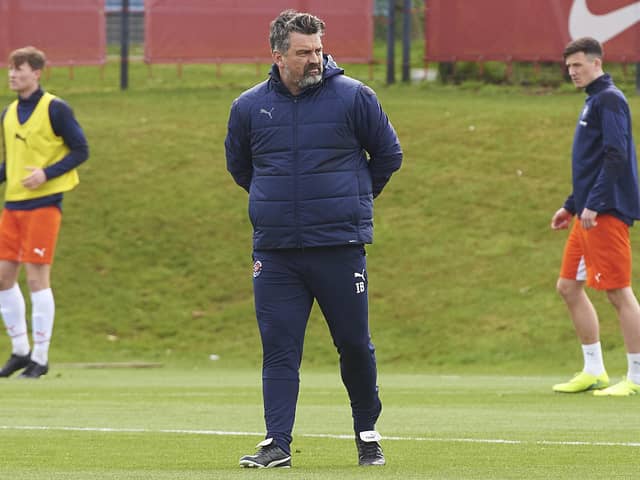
(257, 268)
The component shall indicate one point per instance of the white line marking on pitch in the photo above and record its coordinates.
(321, 435)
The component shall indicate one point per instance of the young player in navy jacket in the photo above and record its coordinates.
(606, 201)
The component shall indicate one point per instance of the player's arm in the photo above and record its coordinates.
(570, 204)
(65, 125)
(378, 138)
(3, 167)
(238, 149)
(562, 218)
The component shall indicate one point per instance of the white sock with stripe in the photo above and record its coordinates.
(43, 311)
(633, 372)
(13, 314)
(593, 362)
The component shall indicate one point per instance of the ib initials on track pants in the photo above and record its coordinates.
(286, 282)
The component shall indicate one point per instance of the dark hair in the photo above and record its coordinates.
(587, 45)
(31, 55)
(291, 21)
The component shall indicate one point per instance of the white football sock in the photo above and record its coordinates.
(593, 362)
(13, 313)
(43, 310)
(633, 373)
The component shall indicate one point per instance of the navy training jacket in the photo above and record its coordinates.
(604, 164)
(303, 160)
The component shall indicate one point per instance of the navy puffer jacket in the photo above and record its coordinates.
(303, 160)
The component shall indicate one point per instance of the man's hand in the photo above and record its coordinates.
(561, 219)
(588, 219)
(36, 178)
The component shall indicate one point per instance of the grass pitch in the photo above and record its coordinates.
(154, 257)
(195, 424)
(153, 264)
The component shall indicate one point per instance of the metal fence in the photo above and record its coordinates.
(114, 27)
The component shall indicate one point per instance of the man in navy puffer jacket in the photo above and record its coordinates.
(313, 148)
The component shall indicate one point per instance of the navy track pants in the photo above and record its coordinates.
(285, 283)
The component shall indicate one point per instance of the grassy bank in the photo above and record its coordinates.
(154, 262)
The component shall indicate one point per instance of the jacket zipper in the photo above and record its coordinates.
(296, 217)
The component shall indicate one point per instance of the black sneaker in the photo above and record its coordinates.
(369, 450)
(15, 363)
(269, 456)
(34, 370)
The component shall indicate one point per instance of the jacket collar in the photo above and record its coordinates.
(599, 84)
(32, 99)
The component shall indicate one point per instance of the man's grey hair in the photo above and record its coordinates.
(292, 21)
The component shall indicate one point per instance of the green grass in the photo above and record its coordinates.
(153, 264)
(173, 423)
(153, 261)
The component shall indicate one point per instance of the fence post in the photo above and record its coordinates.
(124, 46)
(391, 43)
(406, 42)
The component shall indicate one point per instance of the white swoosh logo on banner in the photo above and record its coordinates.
(583, 23)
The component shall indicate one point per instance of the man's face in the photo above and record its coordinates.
(301, 65)
(23, 79)
(583, 69)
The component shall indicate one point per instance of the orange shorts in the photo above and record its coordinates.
(29, 236)
(601, 255)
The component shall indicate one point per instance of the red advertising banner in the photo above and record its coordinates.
(529, 30)
(4, 32)
(70, 32)
(212, 31)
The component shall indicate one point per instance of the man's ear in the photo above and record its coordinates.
(598, 62)
(277, 58)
